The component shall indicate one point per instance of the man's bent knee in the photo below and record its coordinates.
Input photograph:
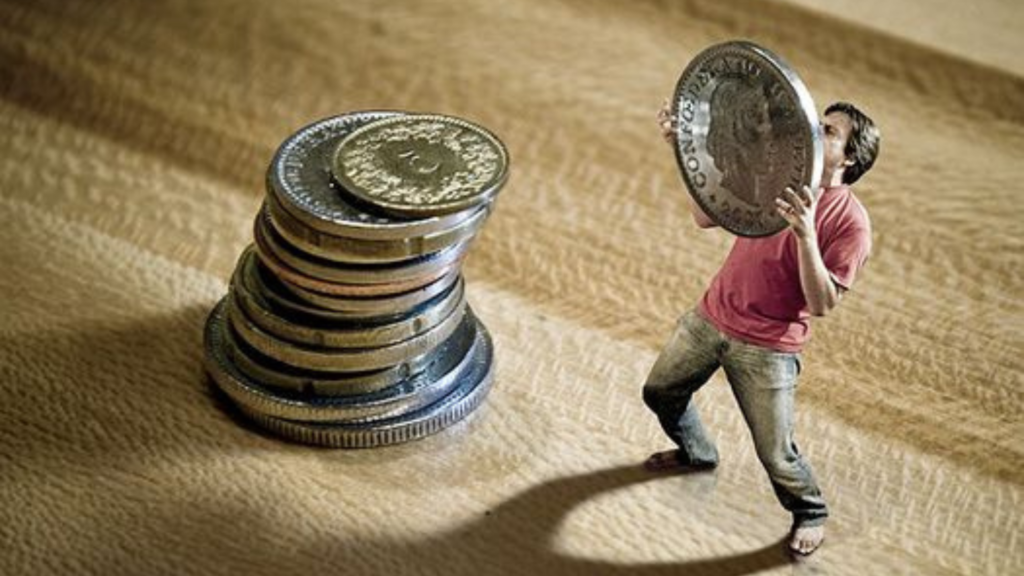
(654, 396)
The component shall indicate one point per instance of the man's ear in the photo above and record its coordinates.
(847, 162)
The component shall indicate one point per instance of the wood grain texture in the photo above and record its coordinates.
(135, 140)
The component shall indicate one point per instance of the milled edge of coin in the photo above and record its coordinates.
(356, 309)
(339, 360)
(374, 310)
(330, 131)
(385, 305)
(347, 250)
(270, 252)
(405, 397)
(404, 209)
(276, 375)
(806, 104)
(341, 335)
(288, 247)
(454, 407)
(794, 85)
(337, 277)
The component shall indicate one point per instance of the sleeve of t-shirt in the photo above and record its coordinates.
(846, 254)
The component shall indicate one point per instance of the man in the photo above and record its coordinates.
(755, 318)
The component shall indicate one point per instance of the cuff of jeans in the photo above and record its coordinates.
(809, 521)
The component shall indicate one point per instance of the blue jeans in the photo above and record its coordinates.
(764, 384)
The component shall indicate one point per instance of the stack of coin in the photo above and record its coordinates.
(346, 323)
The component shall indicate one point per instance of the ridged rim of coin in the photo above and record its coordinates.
(362, 252)
(368, 253)
(327, 334)
(293, 380)
(327, 278)
(421, 165)
(342, 360)
(355, 309)
(466, 398)
(300, 176)
(385, 305)
(430, 256)
(407, 396)
(692, 112)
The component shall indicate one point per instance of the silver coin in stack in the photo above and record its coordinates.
(349, 250)
(472, 386)
(246, 296)
(300, 176)
(745, 129)
(346, 272)
(333, 278)
(451, 360)
(422, 165)
(384, 305)
(335, 308)
(324, 359)
(289, 380)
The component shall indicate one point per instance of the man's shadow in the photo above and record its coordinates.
(519, 537)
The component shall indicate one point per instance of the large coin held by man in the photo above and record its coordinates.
(745, 130)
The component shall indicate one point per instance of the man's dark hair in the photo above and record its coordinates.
(862, 145)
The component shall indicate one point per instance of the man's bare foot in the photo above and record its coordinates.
(669, 461)
(806, 539)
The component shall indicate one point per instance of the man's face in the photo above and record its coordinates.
(836, 127)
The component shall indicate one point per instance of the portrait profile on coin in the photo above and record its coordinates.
(740, 138)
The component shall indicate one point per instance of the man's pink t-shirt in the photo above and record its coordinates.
(756, 297)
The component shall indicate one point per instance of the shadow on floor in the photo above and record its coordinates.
(110, 413)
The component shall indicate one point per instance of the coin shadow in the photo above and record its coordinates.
(113, 389)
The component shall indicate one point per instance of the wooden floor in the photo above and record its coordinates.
(135, 140)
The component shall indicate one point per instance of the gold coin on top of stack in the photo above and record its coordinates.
(422, 165)
(346, 323)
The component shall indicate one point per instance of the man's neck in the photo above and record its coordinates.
(831, 179)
